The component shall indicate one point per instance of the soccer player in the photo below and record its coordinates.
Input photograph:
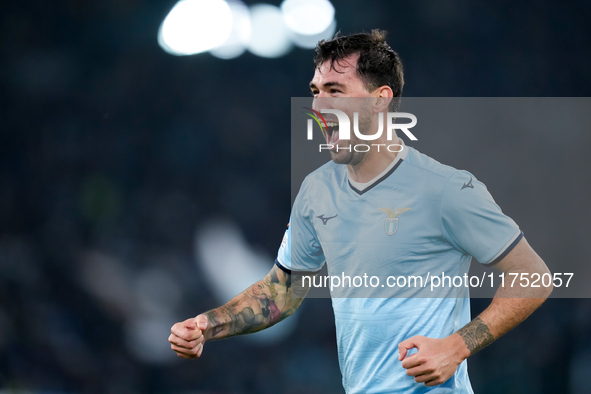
(399, 211)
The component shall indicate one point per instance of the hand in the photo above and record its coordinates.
(187, 338)
(436, 360)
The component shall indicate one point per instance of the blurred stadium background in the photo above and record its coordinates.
(145, 177)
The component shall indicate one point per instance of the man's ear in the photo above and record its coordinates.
(384, 96)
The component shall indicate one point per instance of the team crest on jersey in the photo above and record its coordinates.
(391, 223)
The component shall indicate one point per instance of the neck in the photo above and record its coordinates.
(372, 165)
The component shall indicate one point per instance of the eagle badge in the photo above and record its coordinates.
(391, 223)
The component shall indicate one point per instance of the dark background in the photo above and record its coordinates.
(114, 153)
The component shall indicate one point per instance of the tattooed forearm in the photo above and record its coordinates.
(476, 335)
(275, 278)
(214, 322)
(258, 307)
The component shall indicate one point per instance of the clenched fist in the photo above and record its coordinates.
(436, 360)
(187, 338)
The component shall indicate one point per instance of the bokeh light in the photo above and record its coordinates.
(238, 39)
(228, 28)
(307, 17)
(310, 41)
(269, 37)
(194, 26)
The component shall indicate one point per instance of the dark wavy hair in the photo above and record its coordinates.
(378, 64)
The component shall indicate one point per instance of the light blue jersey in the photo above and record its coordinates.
(418, 218)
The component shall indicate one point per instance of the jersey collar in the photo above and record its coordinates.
(361, 188)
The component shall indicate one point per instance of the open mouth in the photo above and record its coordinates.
(332, 132)
(328, 125)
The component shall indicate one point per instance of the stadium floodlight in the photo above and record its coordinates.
(310, 41)
(194, 26)
(307, 17)
(236, 43)
(269, 37)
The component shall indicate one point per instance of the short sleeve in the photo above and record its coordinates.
(300, 249)
(473, 223)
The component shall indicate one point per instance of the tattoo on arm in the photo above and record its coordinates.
(476, 335)
(215, 322)
(258, 307)
(275, 278)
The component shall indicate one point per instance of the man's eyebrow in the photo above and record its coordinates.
(328, 85)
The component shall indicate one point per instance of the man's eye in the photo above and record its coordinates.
(335, 91)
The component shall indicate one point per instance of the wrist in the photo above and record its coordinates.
(209, 325)
(461, 349)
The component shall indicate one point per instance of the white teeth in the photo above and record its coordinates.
(332, 124)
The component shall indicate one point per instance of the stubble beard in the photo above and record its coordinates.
(345, 157)
(352, 158)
